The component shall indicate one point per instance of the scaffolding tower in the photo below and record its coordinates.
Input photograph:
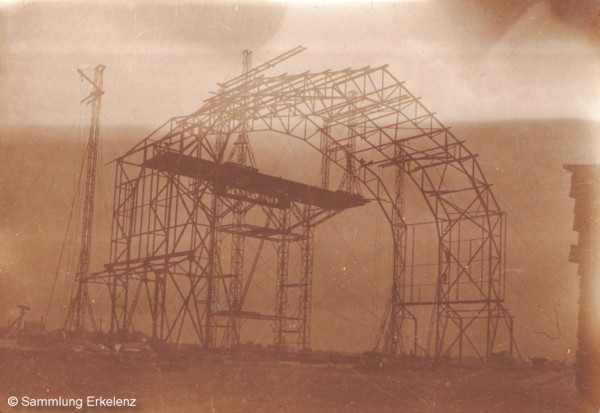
(79, 310)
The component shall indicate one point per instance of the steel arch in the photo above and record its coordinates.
(389, 137)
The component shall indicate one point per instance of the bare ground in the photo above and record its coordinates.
(201, 382)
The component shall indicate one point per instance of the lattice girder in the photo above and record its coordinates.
(368, 103)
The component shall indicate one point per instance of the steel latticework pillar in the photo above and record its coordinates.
(326, 152)
(281, 294)
(350, 182)
(305, 305)
(397, 313)
(242, 154)
(186, 220)
(80, 308)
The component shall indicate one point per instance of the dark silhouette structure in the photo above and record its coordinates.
(585, 189)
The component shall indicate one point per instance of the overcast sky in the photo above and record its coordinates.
(468, 60)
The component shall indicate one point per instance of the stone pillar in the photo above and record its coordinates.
(585, 189)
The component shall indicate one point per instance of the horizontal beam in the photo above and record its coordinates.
(232, 175)
(451, 302)
(253, 315)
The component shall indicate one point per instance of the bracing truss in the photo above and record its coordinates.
(185, 206)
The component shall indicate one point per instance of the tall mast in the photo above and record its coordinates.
(80, 308)
(242, 152)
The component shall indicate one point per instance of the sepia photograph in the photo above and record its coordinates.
(300, 206)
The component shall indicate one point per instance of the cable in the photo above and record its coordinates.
(77, 185)
(557, 327)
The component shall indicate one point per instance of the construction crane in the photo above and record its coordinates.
(80, 308)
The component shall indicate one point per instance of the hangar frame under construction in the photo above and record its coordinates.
(189, 197)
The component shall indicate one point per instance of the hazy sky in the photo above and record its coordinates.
(467, 59)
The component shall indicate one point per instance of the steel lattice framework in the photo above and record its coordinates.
(180, 197)
(79, 310)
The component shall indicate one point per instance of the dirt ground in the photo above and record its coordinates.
(252, 383)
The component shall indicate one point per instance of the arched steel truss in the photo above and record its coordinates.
(173, 215)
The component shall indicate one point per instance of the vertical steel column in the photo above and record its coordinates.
(213, 273)
(198, 236)
(325, 154)
(120, 241)
(158, 306)
(493, 316)
(307, 245)
(244, 157)
(442, 302)
(80, 308)
(349, 182)
(282, 277)
(397, 313)
(160, 277)
(394, 340)
(232, 333)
